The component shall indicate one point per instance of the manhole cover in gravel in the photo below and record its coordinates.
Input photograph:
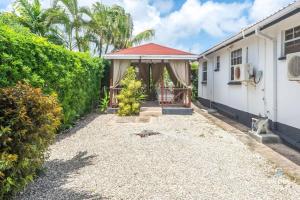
(147, 133)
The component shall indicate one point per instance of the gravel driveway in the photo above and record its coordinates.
(191, 158)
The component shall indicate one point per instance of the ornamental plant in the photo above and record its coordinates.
(75, 77)
(104, 102)
(131, 94)
(28, 124)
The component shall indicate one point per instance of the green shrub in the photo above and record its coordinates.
(28, 123)
(194, 66)
(104, 103)
(131, 94)
(75, 77)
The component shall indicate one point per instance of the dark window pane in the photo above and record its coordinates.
(239, 52)
(289, 34)
(204, 76)
(240, 60)
(232, 74)
(292, 47)
(297, 31)
(218, 63)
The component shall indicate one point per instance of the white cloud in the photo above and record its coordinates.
(263, 8)
(163, 6)
(194, 18)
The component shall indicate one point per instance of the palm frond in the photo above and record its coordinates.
(143, 36)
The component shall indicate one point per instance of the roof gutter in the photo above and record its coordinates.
(266, 23)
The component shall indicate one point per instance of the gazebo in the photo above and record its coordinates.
(152, 61)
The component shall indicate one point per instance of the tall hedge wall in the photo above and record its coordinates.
(74, 76)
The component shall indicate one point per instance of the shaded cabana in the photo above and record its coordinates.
(152, 61)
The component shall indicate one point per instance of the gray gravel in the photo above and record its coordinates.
(191, 158)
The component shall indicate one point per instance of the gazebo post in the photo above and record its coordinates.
(189, 89)
(111, 71)
(162, 85)
(139, 67)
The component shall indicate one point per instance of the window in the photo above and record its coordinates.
(218, 64)
(236, 59)
(204, 72)
(292, 40)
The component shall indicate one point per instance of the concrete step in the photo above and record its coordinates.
(151, 111)
(267, 138)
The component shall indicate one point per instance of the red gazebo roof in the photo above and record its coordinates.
(150, 49)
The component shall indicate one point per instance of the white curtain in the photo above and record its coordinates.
(181, 71)
(120, 67)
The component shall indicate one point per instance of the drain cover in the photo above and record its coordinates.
(146, 133)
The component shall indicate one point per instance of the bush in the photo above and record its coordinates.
(28, 123)
(74, 76)
(195, 66)
(104, 103)
(130, 95)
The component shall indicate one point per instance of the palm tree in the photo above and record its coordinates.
(38, 20)
(70, 16)
(122, 30)
(112, 26)
(97, 26)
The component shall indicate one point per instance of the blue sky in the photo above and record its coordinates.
(191, 25)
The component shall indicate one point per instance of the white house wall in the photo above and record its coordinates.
(288, 91)
(259, 99)
(241, 97)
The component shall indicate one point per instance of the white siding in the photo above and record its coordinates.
(258, 99)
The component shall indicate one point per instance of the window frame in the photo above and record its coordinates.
(294, 38)
(204, 71)
(218, 63)
(236, 58)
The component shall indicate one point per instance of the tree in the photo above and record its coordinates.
(37, 19)
(112, 27)
(97, 26)
(69, 14)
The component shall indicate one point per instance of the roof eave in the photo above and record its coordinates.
(149, 57)
(249, 30)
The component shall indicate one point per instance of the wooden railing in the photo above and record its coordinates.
(174, 96)
(166, 96)
(113, 92)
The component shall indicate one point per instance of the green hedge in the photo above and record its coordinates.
(74, 76)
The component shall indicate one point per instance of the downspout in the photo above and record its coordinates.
(247, 88)
(275, 100)
(206, 59)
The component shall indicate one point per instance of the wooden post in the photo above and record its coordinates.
(111, 71)
(189, 93)
(162, 85)
(149, 82)
(139, 68)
